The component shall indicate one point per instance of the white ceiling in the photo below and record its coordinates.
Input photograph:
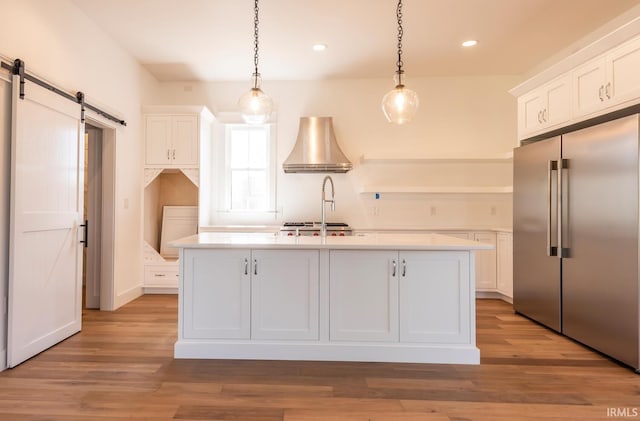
(212, 40)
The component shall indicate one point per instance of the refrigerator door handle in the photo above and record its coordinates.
(551, 249)
(563, 218)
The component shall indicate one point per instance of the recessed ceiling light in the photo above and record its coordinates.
(319, 47)
(469, 43)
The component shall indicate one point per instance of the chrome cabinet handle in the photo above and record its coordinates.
(551, 167)
(607, 90)
(168, 154)
(173, 154)
(544, 115)
(563, 217)
(394, 268)
(540, 116)
(246, 266)
(159, 275)
(255, 266)
(404, 267)
(600, 93)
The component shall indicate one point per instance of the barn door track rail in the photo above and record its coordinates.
(18, 68)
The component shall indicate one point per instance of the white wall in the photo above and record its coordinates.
(62, 45)
(460, 116)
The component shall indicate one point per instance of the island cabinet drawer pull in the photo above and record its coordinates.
(159, 275)
(404, 267)
(393, 274)
(255, 266)
(246, 266)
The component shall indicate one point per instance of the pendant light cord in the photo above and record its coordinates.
(256, 75)
(399, 72)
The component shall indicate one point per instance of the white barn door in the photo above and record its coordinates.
(45, 259)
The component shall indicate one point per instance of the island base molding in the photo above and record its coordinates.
(365, 352)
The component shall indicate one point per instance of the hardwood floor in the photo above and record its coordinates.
(121, 367)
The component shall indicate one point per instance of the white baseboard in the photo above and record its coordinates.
(493, 295)
(127, 296)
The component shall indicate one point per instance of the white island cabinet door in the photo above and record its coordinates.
(284, 294)
(216, 294)
(435, 297)
(363, 290)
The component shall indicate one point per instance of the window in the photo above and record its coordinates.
(245, 164)
(247, 167)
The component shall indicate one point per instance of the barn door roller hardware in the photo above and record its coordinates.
(18, 68)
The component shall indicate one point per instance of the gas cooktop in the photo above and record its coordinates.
(334, 229)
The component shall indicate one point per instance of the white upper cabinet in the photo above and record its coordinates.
(545, 107)
(158, 142)
(171, 140)
(173, 136)
(600, 79)
(608, 80)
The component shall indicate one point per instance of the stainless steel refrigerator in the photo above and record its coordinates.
(576, 236)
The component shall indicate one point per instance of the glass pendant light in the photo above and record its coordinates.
(255, 106)
(400, 104)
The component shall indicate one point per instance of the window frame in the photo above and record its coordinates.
(224, 214)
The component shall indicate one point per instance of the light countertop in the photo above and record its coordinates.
(373, 241)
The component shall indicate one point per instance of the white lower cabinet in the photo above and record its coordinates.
(251, 294)
(327, 305)
(363, 295)
(485, 262)
(285, 294)
(406, 296)
(161, 275)
(434, 297)
(216, 294)
(505, 263)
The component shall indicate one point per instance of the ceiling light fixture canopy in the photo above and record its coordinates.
(400, 104)
(255, 105)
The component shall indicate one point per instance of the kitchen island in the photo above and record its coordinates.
(376, 297)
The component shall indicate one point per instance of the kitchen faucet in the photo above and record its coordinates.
(323, 227)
